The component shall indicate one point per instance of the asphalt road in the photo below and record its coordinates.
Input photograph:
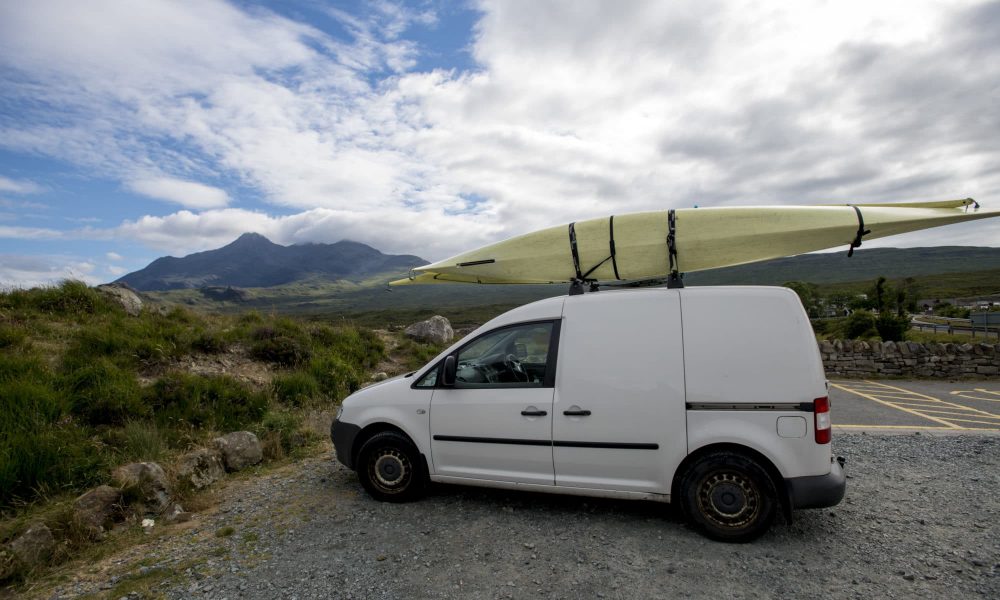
(931, 405)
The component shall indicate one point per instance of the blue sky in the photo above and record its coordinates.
(131, 130)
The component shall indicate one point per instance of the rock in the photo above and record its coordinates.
(146, 484)
(95, 509)
(437, 329)
(201, 468)
(34, 546)
(380, 376)
(124, 296)
(239, 449)
(177, 515)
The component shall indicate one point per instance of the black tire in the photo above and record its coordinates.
(391, 469)
(729, 497)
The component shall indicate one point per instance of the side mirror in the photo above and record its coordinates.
(450, 369)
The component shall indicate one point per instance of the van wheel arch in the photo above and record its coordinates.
(375, 428)
(785, 502)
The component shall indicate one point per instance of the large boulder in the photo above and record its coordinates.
(201, 468)
(34, 546)
(95, 510)
(146, 485)
(239, 449)
(124, 296)
(436, 329)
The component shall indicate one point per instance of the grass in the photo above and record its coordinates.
(86, 387)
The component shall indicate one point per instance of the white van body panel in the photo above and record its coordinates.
(393, 402)
(752, 346)
(625, 358)
(749, 344)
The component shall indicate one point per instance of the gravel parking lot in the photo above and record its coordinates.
(919, 520)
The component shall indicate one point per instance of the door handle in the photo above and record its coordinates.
(576, 413)
(534, 413)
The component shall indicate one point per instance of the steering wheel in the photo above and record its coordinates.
(510, 361)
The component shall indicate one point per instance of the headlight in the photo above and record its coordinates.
(340, 411)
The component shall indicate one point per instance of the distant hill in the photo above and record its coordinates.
(832, 267)
(253, 261)
(944, 272)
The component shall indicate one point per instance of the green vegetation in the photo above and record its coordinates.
(86, 387)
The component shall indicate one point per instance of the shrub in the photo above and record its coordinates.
(283, 350)
(336, 378)
(360, 347)
(892, 328)
(47, 459)
(280, 433)
(11, 336)
(295, 389)
(209, 343)
(95, 341)
(41, 450)
(216, 402)
(69, 297)
(137, 441)
(861, 324)
(103, 394)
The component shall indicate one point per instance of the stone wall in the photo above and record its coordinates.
(855, 358)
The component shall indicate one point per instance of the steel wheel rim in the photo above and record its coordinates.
(729, 499)
(390, 470)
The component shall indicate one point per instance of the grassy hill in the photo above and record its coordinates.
(945, 272)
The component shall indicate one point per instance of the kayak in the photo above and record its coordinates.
(667, 243)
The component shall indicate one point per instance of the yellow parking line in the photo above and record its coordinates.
(981, 422)
(906, 410)
(975, 397)
(938, 400)
(918, 405)
(945, 412)
(835, 425)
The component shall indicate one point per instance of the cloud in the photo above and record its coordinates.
(183, 232)
(114, 256)
(572, 110)
(13, 186)
(186, 193)
(20, 271)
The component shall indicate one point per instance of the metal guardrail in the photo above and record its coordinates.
(963, 328)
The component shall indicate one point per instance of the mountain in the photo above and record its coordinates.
(253, 261)
(941, 272)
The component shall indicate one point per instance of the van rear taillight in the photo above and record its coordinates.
(821, 414)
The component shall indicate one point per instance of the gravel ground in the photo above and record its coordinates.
(919, 520)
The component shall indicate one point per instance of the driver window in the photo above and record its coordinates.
(510, 357)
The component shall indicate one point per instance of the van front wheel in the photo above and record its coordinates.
(729, 497)
(390, 468)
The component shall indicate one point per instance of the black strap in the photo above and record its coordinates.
(611, 245)
(575, 251)
(580, 276)
(861, 232)
(672, 241)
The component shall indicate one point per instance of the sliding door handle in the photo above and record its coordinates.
(576, 413)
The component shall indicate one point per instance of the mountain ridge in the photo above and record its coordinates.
(254, 261)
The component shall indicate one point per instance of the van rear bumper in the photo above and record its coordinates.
(818, 491)
(343, 435)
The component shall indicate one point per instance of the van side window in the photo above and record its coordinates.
(429, 380)
(510, 357)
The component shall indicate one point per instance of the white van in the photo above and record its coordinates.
(713, 397)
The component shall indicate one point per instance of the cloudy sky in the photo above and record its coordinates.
(135, 129)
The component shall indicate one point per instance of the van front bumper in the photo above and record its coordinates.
(819, 491)
(343, 435)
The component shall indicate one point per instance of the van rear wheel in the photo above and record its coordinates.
(729, 497)
(391, 469)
